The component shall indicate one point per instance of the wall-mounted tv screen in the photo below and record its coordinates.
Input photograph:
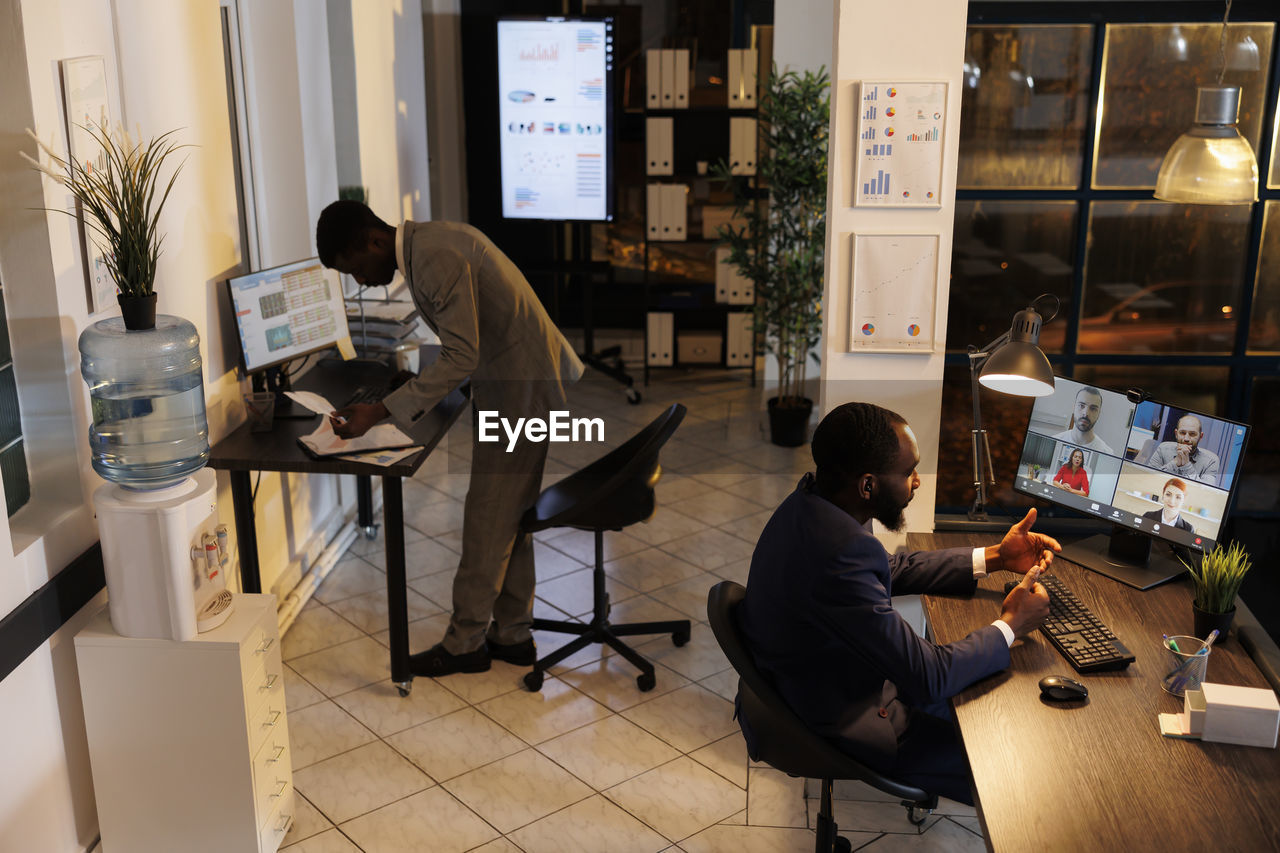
(555, 118)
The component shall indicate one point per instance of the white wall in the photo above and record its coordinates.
(908, 384)
(165, 70)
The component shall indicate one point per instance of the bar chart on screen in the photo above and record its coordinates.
(899, 155)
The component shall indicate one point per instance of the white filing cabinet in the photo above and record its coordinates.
(188, 740)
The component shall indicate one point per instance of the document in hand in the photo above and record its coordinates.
(323, 442)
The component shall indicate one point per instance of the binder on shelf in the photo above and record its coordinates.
(653, 79)
(724, 273)
(742, 146)
(659, 146)
(680, 87)
(673, 211)
(742, 290)
(661, 334)
(738, 339)
(668, 79)
(748, 77)
(653, 210)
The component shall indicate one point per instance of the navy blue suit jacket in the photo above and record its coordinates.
(820, 623)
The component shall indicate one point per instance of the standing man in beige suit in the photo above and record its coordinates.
(494, 330)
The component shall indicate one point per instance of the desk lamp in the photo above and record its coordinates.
(1011, 364)
(1211, 163)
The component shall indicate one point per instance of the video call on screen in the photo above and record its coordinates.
(1149, 466)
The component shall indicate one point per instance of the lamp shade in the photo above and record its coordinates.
(1211, 163)
(1018, 368)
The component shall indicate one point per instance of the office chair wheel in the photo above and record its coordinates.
(680, 638)
(633, 396)
(646, 681)
(533, 681)
(403, 687)
(916, 815)
(842, 845)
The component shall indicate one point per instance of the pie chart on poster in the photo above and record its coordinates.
(913, 330)
(868, 329)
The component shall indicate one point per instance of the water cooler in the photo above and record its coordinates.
(165, 556)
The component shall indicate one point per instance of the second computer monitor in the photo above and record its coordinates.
(286, 312)
(1146, 467)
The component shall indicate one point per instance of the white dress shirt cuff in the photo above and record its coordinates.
(979, 563)
(1004, 629)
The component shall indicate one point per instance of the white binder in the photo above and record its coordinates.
(680, 86)
(661, 333)
(738, 339)
(653, 78)
(724, 273)
(748, 61)
(659, 146)
(735, 79)
(653, 207)
(668, 79)
(742, 146)
(673, 211)
(742, 290)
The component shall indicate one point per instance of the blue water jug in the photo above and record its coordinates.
(146, 386)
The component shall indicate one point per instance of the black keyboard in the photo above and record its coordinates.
(367, 394)
(1082, 638)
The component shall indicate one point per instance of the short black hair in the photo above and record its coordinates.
(343, 226)
(852, 440)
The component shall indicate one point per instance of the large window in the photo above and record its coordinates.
(1063, 126)
(13, 458)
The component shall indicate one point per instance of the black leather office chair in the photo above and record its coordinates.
(784, 741)
(614, 491)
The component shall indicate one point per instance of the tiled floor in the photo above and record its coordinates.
(590, 763)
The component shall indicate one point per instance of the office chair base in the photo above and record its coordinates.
(604, 633)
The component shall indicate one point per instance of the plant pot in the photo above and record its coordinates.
(1206, 621)
(789, 425)
(139, 312)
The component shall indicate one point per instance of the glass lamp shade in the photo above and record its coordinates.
(1211, 163)
(1020, 369)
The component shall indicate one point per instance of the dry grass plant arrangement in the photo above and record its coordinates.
(122, 194)
(1218, 576)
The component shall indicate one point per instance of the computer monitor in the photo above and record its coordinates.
(1155, 471)
(283, 313)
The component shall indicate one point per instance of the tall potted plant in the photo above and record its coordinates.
(143, 370)
(781, 240)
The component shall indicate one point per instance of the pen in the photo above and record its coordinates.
(338, 419)
(1213, 635)
(1171, 644)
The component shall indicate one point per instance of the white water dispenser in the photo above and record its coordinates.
(165, 556)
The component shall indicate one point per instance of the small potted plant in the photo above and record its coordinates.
(780, 248)
(1217, 580)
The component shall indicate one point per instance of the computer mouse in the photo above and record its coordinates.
(1062, 688)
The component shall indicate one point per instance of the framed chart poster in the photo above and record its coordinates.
(84, 93)
(899, 154)
(893, 292)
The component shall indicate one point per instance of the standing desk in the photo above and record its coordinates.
(1050, 776)
(243, 451)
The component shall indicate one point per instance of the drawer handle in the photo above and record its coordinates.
(279, 752)
(270, 682)
(266, 644)
(275, 718)
(284, 822)
(280, 790)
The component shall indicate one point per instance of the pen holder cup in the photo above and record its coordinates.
(1187, 667)
(261, 409)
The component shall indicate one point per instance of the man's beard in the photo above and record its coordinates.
(888, 512)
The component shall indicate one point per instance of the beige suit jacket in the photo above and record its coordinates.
(491, 325)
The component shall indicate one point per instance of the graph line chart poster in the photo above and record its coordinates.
(895, 282)
(899, 156)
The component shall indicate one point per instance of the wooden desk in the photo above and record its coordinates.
(1100, 776)
(243, 452)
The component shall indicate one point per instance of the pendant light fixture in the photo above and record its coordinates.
(1211, 163)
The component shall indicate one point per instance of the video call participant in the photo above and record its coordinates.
(1185, 457)
(819, 619)
(494, 330)
(1087, 410)
(1072, 476)
(1172, 497)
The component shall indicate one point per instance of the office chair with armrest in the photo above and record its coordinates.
(784, 741)
(609, 494)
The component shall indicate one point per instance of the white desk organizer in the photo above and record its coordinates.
(1225, 713)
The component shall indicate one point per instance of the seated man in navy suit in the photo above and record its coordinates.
(819, 620)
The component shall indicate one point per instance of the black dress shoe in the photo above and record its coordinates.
(435, 661)
(520, 654)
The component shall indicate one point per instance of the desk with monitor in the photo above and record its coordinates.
(1099, 775)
